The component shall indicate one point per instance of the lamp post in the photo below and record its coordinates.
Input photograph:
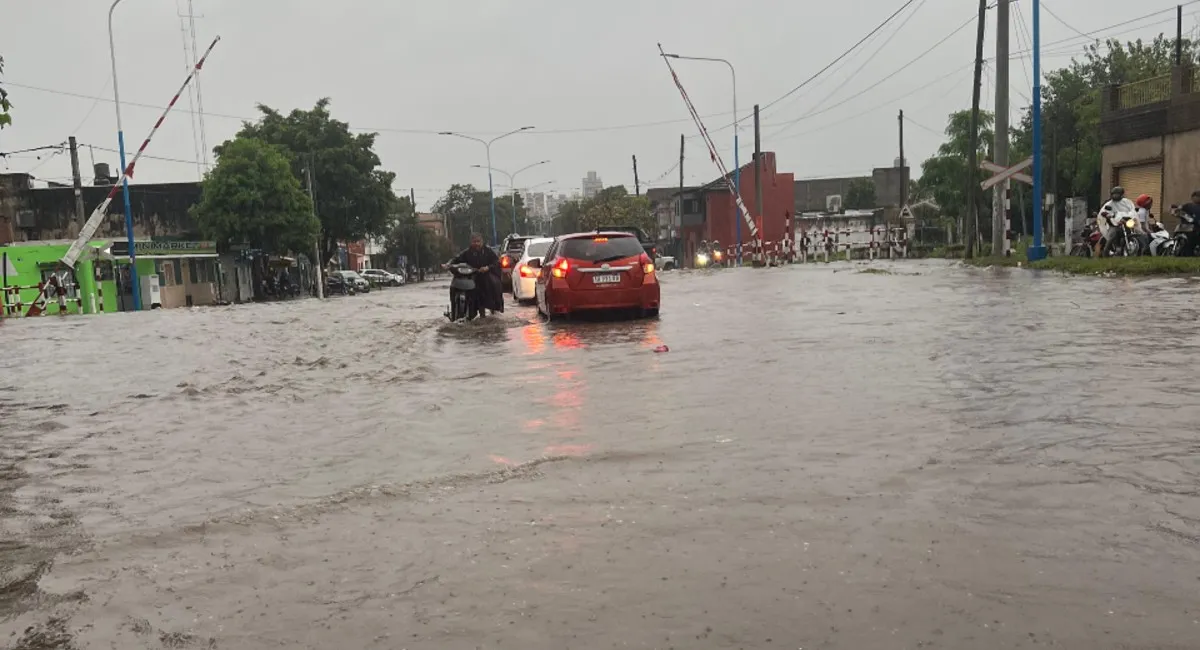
(133, 275)
(487, 144)
(737, 168)
(512, 183)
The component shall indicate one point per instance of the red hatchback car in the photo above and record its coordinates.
(596, 271)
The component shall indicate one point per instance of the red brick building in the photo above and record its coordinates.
(720, 214)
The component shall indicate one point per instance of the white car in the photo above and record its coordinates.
(524, 277)
(382, 278)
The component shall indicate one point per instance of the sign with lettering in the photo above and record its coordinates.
(165, 248)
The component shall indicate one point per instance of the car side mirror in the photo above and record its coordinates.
(534, 263)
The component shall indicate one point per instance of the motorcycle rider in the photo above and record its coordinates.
(487, 280)
(1192, 209)
(1117, 204)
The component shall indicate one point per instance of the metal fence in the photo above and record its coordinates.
(1141, 93)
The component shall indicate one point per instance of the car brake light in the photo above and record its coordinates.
(526, 271)
(600, 240)
(647, 264)
(505, 262)
(560, 269)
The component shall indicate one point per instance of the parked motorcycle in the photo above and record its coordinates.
(1162, 244)
(1088, 238)
(464, 301)
(1186, 234)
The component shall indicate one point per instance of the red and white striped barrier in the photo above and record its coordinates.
(868, 243)
(10, 298)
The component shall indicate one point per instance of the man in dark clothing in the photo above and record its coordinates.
(487, 280)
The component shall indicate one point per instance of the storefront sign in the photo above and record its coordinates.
(156, 248)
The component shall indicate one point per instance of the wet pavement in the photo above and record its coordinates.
(929, 457)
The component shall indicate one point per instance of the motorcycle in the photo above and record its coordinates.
(1122, 238)
(1186, 234)
(1088, 238)
(464, 302)
(1162, 244)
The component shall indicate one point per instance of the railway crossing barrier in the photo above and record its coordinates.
(52, 289)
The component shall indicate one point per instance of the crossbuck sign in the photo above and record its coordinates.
(1001, 174)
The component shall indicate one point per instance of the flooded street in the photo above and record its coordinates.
(932, 457)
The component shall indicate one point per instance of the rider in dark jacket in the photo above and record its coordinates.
(487, 281)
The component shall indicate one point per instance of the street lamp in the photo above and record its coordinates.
(737, 168)
(487, 144)
(133, 276)
(512, 182)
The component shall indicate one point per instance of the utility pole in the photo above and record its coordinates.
(679, 257)
(1000, 148)
(77, 180)
(973, 155)
(1178, 36)
(903, 180)
(320, 281)
(758, 200)
(412, 199)
(637, 186)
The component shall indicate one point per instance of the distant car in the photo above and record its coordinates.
(383, 278)
(665, 262)
(648, 244)
(510, 252)
(596, 271)
(335, 284)
(524, 282)
(352, 277)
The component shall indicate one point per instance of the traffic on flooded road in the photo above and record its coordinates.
(812, 456)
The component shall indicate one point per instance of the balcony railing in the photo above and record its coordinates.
(1141, 93)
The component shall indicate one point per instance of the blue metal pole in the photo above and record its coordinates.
(133, 274)
(1038, 250)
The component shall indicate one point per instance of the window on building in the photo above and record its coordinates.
(691, 206)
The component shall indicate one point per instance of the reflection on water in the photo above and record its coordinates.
(941, 457)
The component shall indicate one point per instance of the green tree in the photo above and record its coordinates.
(944, 176)
(5, 105)
(252, 197)
(469, 210)
(407, 237)
(861, 194)
(568, 219)
(615, 206)
(354, 196)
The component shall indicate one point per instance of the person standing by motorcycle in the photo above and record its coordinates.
(487, 280)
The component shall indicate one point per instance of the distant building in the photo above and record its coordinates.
(434, 223)
(591, 185)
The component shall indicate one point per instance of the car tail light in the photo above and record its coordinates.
(647, 264)
(560, 269)
(600, 240)
(526, 271)
(505, 262)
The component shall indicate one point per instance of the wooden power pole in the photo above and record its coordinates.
(973, 190)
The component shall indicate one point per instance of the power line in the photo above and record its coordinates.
(922, 126)
(1060, 20)
(875, 85)
(840, 57)
(33, 149)
(874, 54)
(1124, 23)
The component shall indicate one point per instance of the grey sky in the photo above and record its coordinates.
(488, 66)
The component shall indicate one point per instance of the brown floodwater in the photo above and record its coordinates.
(932, 457)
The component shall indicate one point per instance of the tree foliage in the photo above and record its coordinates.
(5, 105)
(354, 196)
(860, 195)
(468, 210)
(407, 237)
(612, 206)
(252, 197)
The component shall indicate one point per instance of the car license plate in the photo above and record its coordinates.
(606, 279)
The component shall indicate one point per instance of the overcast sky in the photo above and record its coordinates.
(586, 74)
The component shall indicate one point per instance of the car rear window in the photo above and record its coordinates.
(600, 248)
(515, 245)
(539, 249)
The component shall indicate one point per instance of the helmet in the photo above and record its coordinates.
(1117, 190)
(1144, 201)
